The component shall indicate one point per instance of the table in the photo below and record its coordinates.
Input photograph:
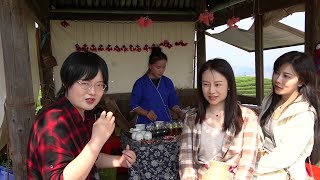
(158, 160)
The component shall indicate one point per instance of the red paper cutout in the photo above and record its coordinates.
(93, 48)
(64, 24)
(124, 48)
(100, 48)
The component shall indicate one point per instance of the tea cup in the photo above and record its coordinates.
(140, 126)
(139, 136)
(147, 135)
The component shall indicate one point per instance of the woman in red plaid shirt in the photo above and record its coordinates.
(65, 141)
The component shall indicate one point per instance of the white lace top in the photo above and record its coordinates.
(211, 142)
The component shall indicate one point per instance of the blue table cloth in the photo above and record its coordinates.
(157, 161)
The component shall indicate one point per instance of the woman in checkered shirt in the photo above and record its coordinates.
(65, 141)
(223, 130)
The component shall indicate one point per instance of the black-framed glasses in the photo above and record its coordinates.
(87, 86)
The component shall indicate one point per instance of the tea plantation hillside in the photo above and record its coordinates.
(246, 85)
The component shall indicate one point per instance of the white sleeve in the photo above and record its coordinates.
(299, 132)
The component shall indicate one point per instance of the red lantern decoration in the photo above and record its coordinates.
(206, 18)
(144, 21)
(232, 22)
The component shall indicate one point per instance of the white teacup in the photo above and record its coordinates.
(140, 126)
(143, 132)
(139, 136)
(147, 135)
(133, 135)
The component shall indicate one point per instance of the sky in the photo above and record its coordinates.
(242, 61)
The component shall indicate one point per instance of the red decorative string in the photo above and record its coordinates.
(131, 48)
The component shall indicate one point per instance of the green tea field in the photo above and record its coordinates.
(246, 85)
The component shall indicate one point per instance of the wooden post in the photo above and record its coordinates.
(201, 48)
(258, 29)
(20, 105)
(201, 38)
(312, 38)
(312, 25)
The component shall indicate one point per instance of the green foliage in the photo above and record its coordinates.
(108, 174)
(39, 105)
(5, 161)
(246, 85)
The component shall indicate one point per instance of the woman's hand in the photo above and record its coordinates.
(179, 112)
(128, 158)
(151, 115)
(103, 128)
(181, 115)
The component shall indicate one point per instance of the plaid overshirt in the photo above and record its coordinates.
(239, 151)
(57, 137)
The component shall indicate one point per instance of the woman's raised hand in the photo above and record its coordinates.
(103, 128)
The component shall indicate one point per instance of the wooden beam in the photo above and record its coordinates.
(258, 29)
(20, 105)
(268, 5)
(121, 15)
(225, 5)
(40, 11)
(312, 25)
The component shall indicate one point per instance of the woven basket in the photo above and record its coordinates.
(218, 171)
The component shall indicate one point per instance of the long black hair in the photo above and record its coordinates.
(232, 111)
(81, 65)
(304, 67)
